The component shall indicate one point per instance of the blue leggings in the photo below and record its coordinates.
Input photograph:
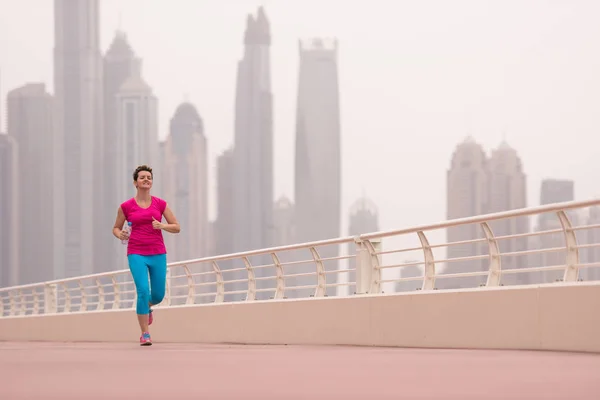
(141, 267)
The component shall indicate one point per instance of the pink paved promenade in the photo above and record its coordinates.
(91, 371)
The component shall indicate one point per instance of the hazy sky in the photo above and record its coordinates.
(416, 77)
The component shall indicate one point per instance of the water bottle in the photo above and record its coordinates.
(128, 230)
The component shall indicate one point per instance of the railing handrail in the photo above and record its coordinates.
(269, 250)
(250, 253)
(521, 212)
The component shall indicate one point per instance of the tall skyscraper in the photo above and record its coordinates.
(467, 195)
(9, 212)
(508, 191)
(119, 65)
(30, 118)
(318, 155)
(185, 183)
(137, 132)
(136, 144)
(224, 226)
(253, 149)
(364, 218)
(78, 148)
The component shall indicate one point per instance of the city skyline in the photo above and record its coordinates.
(434, 80)
(89, 64)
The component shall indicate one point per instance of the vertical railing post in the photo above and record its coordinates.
(251, 294)
(280, 288)
(23, 303)
(191, 294)
(36, 302)
(429, 264)
(363, 267)
(50, 299)
(12, 302)
(100, 289)
(67, 308)
(321, 288)
(116, 293)
(374, 247)
(83, 304)
(571, 268)
(495, 267)
(168, 288)
(220, 295)
(368, 274)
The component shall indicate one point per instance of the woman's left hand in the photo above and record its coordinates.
(156, 224)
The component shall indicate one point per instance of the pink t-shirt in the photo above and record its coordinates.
(144, 239)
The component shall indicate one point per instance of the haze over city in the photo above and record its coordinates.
(415, 79)
(268, 191)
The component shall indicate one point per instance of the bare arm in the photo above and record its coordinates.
(172, 226)
(117, 228)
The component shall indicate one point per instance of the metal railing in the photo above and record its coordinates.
(481, 259)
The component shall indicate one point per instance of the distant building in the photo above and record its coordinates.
(253, 149)
(552, 191)
(318, 172)
(9, 212)
(120, 64)
(480, 185)
(30, 122)
(137, 133)
(467, 195)
(224, 226)
(78, 145)
(507, 187)
(185, 184)
(252, 158)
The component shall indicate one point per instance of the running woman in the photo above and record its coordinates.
(146, 251)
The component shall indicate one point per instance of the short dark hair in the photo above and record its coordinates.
(139, 169)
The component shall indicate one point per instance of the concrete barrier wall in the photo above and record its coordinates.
(551, 317)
